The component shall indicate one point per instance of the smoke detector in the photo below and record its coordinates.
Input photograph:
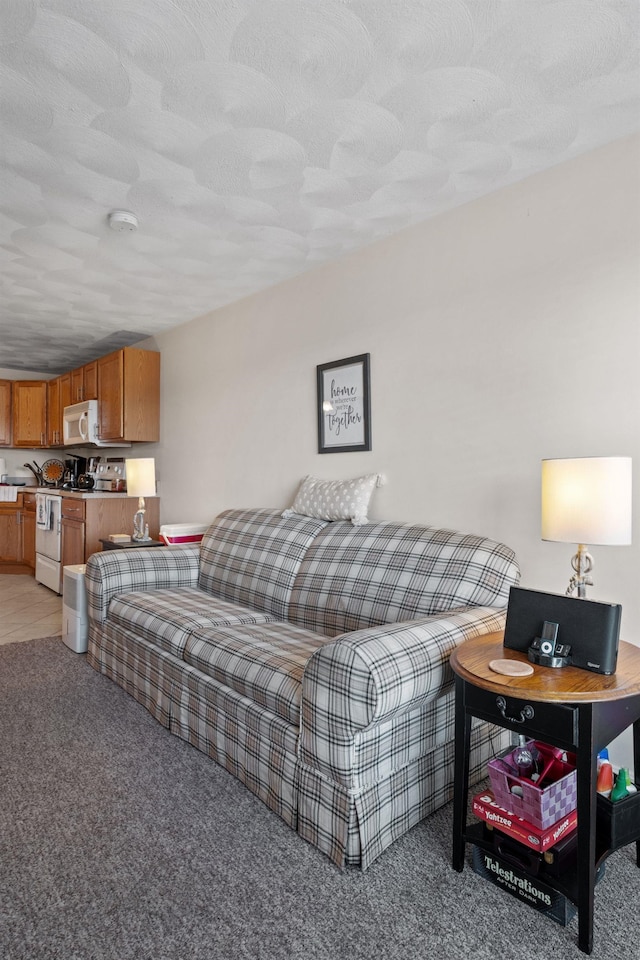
(123, 221)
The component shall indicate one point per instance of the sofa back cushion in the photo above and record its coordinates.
(356, 577)
(251, 557)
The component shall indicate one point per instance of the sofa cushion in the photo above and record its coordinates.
(251, 557)
(264, 662)
(356, 577)
(167, 617)
(334, 499)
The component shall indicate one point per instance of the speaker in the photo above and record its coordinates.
(589, 628)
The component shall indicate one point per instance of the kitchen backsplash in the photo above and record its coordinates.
(17, 458)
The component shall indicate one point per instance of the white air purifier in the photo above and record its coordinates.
(75, 619)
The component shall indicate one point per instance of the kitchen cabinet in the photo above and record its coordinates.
(11, 535)
(90, 381)
(65, 391)
(86, 521)
(5, 413)
(84, 383)
(73, 531)
(126, 383)
(58, 397)
(77, 385)
(30, 413)
(29, 530)
(54, 415)
(129, 395)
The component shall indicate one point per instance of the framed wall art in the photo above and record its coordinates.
(344, 412)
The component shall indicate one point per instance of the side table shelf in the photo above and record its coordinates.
(130, 544)
(570, 708)
(567, 884)
(618, 824)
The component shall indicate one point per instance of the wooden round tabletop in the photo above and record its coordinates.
(566, 684)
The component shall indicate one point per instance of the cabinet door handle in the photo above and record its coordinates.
(527, 712)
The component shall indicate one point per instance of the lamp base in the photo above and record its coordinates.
(140, 528)
(582, 563)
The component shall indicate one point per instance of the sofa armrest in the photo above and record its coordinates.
(121, 571)
(364, 678)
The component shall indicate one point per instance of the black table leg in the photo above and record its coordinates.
(636, 772)
(461, 776)
(586, 764)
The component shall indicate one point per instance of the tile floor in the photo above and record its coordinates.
(27, 609)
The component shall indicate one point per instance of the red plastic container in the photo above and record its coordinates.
(180, 533)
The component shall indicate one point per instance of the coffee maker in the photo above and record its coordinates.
(75, 467)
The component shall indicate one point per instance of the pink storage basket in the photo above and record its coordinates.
(544, 805)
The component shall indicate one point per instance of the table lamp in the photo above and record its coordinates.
(141, 483)
(586, 500)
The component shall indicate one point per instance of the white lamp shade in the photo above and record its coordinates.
(587, 500)
(141, 477)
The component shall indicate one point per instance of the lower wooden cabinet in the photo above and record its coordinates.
(29, 530)
(73, 532)
(10, 533)
(86, 521)
(18, 535)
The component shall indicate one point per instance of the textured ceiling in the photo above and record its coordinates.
(255, 139)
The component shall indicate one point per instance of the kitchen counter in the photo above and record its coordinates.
(83, 494)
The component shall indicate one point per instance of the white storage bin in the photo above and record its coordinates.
(75, 618)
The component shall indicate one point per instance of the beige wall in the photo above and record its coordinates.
(501, 333)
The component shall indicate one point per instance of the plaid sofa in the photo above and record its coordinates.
(310, 659)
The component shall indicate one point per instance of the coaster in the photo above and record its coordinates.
(511, 668)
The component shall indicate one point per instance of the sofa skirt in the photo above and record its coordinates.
(255, 746)
(136, 667)
(351, 825)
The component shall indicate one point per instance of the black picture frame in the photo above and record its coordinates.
(344, 405)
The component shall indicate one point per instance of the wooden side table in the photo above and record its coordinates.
(568, 708)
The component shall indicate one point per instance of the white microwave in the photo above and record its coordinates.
(80, 425)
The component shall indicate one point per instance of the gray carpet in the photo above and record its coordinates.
(119, 841)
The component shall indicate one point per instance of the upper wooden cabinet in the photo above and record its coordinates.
(65, 391)
(5, 413)
(54, 413)
(58, 397)
(30, 413)
(125, 383)
(84, 383)
(69, 388)
(129, 395)
(77, 385)
(90, 381)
